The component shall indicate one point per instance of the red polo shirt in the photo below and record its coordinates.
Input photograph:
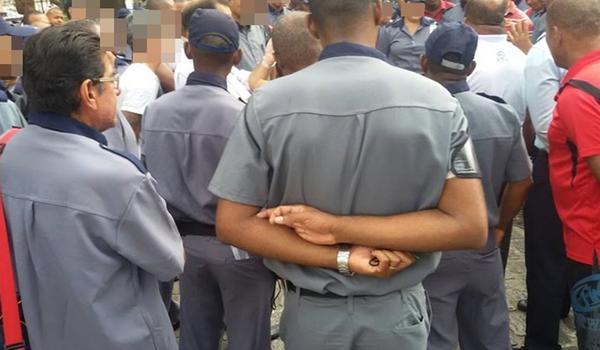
(576, 190)
(437, 14)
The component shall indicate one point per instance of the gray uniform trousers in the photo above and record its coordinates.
(468, 303)
(398, 320)
(219, 292)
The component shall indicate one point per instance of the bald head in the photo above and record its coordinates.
(580, 18)
(294, 46)
(486, 12)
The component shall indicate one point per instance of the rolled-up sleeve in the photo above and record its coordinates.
(147, 235)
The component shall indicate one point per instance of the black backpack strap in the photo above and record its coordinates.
(587, 87)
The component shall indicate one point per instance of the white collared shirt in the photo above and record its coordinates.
(500, 71)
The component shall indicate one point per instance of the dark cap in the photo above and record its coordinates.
(16, 31)
(452, 45)
(206, 22)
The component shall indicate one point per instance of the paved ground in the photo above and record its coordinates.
(515, 290)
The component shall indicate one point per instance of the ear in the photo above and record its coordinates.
(471, 68)
(312, 27)
(378, 12)
(88, 95)
(424, 64)
(237, 57)
(187, 50)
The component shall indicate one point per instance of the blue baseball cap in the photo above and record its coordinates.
(16, 31)
(208, 22)
(452, 45)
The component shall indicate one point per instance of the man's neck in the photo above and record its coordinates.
(577, 53)
(366, 37)
(483, 29)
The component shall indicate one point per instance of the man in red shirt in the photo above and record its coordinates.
(436, 8)
(574, 133)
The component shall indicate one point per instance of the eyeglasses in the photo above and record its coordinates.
(114, 79)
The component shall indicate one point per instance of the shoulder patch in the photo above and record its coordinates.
(492, 97)
(130, 157)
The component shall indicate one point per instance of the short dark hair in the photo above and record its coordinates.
(338, 13)
(486, 12)
(27, 16)
(189, 9)
(55, 63)
(294, 46)
(583, 19)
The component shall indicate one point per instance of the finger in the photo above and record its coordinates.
(264, 213)
(383, 269)
(395, 260)
(406, 258)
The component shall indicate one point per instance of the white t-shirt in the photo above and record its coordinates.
(237, 80)
(139, 87)
(500, 71)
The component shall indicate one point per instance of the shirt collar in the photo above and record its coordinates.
(350, 49)
(456, 87)
(63, 123)
(202, 78)
(583, 62)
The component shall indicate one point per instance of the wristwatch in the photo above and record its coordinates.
(343, 260)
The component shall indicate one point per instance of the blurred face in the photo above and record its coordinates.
(56, 17)
(236, 8)
(278, 3)
(433, 3)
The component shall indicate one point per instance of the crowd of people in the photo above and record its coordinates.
(370, 156)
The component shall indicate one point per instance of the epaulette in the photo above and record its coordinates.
(3, 96)
(492, 97)
(130, 157)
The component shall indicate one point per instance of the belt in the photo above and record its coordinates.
(195, 228)
(305, 292)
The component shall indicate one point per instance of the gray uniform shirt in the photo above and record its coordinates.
(122, 137)
(253, 41)
(495, 129)
(184, 133)
(10, 116)
(351, 141)
(403, 49)
(91, 239)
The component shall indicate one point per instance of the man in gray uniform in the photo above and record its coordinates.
(352, 141)
(253, 38)
(91, 236)
(184, 135)
(467, 290)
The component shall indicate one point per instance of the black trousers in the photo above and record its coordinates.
(546, 262)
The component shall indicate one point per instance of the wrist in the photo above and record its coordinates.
(343, 260)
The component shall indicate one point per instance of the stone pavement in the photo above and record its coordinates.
(515, 290)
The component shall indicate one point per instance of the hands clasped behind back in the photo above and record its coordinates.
(318, 227)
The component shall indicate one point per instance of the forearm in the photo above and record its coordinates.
(259, 237)
(512, 201)
(259, 76)
(424, 231)
(459, 222)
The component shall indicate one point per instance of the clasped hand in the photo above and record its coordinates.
(318, 227)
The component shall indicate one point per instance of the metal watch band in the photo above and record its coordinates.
(343, 260)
